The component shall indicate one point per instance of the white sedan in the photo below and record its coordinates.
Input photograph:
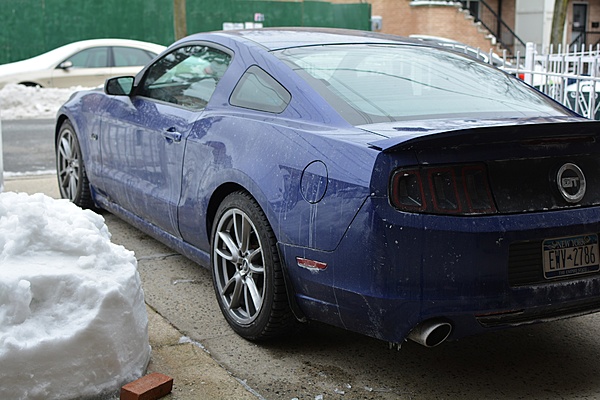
(86, 63)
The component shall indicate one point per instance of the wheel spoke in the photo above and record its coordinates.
(71, 186)
(236, 296)
(63, 156)
(65, 148)
(254, 294)
(242, 229)
(65, 177)
(256, 267)
(233, 255)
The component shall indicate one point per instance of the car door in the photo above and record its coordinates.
(144, 135)
(88, 68)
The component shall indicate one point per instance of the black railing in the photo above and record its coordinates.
(491, 21)
(585, 39)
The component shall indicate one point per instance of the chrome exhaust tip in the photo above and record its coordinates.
(430, 333)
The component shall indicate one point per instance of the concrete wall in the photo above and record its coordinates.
(534, 21)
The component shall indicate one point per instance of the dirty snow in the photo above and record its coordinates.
(19, 102)
(73, 323)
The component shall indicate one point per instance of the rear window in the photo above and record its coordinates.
(385, 83)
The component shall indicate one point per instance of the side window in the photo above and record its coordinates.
(96, 57)
(187, 76)
(131, 57)
(257, 90)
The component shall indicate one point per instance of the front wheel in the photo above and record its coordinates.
(72, 178)
(247, 274)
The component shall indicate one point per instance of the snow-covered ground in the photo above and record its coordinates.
(18, 101)
(73, 322)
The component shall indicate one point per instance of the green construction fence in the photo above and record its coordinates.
(31, 27)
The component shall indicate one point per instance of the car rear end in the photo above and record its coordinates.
(484, 211)
(501, 223)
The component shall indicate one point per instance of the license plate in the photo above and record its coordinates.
(570, 256)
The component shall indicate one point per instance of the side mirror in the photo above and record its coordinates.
(120, 86)
(65, 64)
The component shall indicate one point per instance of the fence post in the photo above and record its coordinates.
(593, 93)
(529, 62)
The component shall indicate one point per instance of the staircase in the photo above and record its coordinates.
(491, 21)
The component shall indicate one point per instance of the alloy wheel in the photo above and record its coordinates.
(68, 164)
(239, 266)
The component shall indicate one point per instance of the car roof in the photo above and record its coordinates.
(284, 38)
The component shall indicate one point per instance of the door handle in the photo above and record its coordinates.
(172, 135)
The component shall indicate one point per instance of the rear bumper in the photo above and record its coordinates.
(539, 314)
(395, 270)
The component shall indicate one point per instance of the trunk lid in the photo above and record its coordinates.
(532, 165)
(403, 135)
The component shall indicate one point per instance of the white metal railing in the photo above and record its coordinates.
(572, 78)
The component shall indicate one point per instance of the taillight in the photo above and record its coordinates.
(444, 191)
(450, 190)
(407, 191)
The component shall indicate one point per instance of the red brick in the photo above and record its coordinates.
(150, 387)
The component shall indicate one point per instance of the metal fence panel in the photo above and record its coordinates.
(571, 77)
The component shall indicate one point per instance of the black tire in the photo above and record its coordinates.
(70, 170)
(31, 84)
(246, 268)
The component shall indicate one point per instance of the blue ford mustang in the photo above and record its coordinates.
(371, 182)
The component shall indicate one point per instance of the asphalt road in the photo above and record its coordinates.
(28, 145)
(557, 360)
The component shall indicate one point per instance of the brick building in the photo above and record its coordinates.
(451, 19)
(498, 24)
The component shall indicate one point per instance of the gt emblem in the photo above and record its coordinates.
(571, 182)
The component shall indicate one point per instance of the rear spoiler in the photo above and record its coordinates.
(535, 133)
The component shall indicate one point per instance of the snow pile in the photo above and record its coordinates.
(73, 323)
(19, 102)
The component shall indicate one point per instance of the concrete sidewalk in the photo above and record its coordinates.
(195, 374)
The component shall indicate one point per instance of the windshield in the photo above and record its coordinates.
(381, 83)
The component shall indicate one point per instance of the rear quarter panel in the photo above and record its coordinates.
(269, 158)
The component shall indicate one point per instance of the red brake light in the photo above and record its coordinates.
(442, 183)
(450, 190)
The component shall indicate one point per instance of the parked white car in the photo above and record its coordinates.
(86, 63)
